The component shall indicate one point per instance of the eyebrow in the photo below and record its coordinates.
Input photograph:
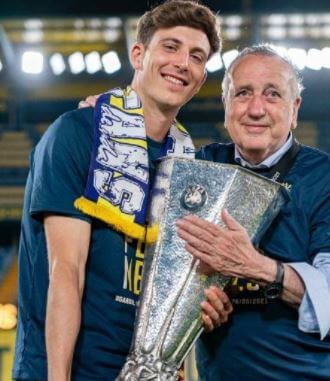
(179, 42)
(270, 84)
(250, 87)
(171, 39)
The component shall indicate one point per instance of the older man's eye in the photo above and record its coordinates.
(242, 93)
(273, 94)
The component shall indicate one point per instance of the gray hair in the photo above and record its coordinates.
(264, 50)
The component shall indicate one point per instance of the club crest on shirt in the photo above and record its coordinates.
(287, 186)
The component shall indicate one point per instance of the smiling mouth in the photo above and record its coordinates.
(256, 126)
(174, 80)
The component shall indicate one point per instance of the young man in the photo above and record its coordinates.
(282, 289)
(80, 266)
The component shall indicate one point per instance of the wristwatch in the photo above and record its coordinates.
(273, 290)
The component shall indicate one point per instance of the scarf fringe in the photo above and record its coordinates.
(111, 215)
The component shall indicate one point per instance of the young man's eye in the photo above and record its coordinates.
(170, 47)
(198, 58)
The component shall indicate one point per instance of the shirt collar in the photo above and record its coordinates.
(269, 161)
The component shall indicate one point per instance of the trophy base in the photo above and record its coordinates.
(146, 367)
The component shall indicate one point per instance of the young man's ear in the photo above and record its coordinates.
(204, 78)
(136, 55)
(201, 82)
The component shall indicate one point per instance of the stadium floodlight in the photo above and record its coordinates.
(111, 62)
(93, 62)
(113, 22)
(281, 50)
(296, 32)
(57, 63)
(312, 19)
(296, 19)
(325, 18)
(111, 35)
(314, 59)
(228, 57)
(214, 63)
(95, 23)
(298, 57)
(276, 32)
(33, 24)
(76, 62)
(232, 33)
(32, 62)
(276, 19)
(326, 31)
(325, 57)
(234, 20)
(79, 23)
(314, 32)
(33, 36)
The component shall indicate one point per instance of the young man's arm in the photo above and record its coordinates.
(67, 245)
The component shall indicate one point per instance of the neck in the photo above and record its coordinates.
(253, 158)
(157, 120)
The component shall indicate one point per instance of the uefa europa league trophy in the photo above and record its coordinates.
(169, 316)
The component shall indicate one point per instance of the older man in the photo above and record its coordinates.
(281, 289)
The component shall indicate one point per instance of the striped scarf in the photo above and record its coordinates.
(118, 186)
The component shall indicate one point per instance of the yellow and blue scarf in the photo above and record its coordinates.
(118, 184)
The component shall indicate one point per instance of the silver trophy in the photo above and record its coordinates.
(169, 316)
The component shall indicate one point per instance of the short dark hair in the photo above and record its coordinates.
(269, 51)
(173, 13)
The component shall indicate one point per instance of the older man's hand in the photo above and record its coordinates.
(215, 308)
(227, 250)
(90, 101)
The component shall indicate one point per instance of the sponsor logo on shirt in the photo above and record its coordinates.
(243, 292)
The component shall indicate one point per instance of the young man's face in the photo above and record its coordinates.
(171, 69)
(260, 107)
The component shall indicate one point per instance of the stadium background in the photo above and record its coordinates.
(53, 54)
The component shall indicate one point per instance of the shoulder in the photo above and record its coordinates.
(217, 152)
(311, 175)
(72, 122)
(313, 162)
(68, 131)
(315, 153)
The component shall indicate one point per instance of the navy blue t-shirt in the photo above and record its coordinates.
(262, 342)
(58, 176)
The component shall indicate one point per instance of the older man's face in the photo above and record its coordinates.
(260, 106)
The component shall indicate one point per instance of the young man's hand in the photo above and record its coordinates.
(215, 308)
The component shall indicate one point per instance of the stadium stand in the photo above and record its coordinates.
(8, 274)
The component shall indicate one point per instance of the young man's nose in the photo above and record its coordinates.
(182, 60)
